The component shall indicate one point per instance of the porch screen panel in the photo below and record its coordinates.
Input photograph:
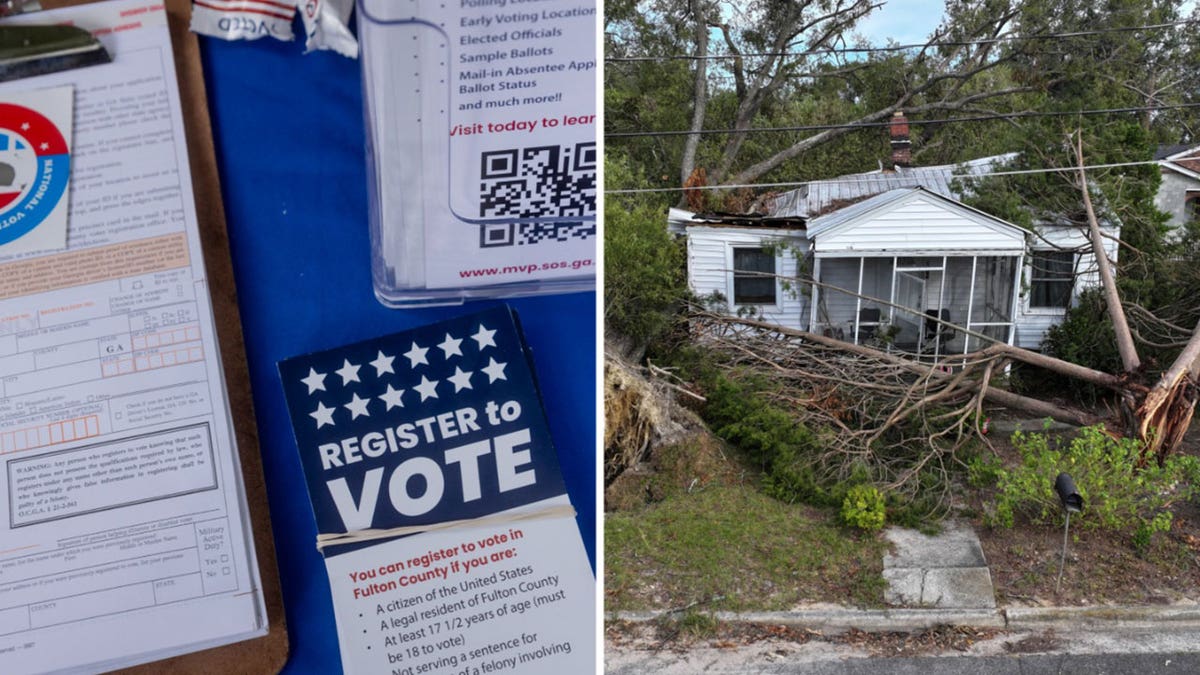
(753, 277)
(996, 333)
(992, 301)
(841, 307)
(835, 315)
(919, 262)
(956, 300)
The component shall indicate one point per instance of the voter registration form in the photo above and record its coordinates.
(123, 528)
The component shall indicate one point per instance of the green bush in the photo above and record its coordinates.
(1117, 496)
(1085, 337)
(864, 508)
(783, 447)
(643, 268)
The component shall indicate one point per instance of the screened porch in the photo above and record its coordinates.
(916, 305)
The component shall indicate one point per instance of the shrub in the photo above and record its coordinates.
(770, 437)
(1117, 495)
(1085, 336)
(864, 508)
(643, 268)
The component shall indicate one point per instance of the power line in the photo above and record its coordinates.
(867, 125)
(848, 180)
(899, 48)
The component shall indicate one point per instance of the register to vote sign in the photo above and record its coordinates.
(439, 425)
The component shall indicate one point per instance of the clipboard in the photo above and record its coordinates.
(269, 653)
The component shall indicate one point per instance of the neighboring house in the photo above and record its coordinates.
(1179, 193)
(907, 250)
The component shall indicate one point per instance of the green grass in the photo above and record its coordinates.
(734, 548)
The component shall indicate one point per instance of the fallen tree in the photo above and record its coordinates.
(896, 387)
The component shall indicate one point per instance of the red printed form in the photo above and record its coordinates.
(123, 533)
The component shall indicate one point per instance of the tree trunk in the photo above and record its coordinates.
(699, 97)
(1165, 413)
(1112, 298)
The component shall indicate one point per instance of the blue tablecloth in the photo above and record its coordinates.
(289, 137)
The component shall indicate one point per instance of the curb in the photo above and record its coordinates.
(1101, 617)
(1105, 617)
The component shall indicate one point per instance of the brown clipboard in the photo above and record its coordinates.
(266, 654)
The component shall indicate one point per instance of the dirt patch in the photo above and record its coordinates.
(654, 446)
(1101, 567)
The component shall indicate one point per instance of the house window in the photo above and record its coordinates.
(753, 277)
(1052, 279)
(1191, 206)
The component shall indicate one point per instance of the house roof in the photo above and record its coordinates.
(818, 197)
(1168, 151)
(678, 219)
(1184, 159)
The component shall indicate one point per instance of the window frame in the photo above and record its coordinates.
(1048, 277)
(748, 274)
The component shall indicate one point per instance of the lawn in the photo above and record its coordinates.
(730, 547)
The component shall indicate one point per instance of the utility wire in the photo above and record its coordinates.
(865, 125)
(848, 180)
(899, 48)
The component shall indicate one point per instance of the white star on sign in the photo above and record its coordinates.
(322, 415)
(450, 346)
(25, 126)
(494, 370)
(358, 407)
(484, 337)
(383, 364)
(314, 380)
(461, 380)
(349, 372)
(416, 355)
(427, 388)
(45, 146)
(392, 398)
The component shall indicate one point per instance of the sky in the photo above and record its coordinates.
(911, 21)
(905, 21)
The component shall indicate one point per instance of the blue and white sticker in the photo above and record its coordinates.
(35, 169)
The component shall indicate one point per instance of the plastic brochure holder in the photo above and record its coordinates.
(482, 157)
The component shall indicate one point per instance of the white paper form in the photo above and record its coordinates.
(123, 531)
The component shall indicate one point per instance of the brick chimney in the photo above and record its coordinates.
(901, 146)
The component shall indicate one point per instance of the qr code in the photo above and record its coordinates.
(493, 235)
(548, 181)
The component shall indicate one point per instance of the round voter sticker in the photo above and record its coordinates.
(34, 166)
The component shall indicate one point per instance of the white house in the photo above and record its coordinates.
(892, 252)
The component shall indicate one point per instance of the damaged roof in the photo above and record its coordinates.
(823, 196)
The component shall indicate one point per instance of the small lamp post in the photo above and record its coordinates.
(1072, 502)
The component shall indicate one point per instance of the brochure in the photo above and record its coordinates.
(448, 536)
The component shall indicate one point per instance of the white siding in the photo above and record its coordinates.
(1032, 323)
(920, 224)
(1171, 197)
(709, 254)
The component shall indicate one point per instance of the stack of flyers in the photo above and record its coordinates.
(448, 536)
